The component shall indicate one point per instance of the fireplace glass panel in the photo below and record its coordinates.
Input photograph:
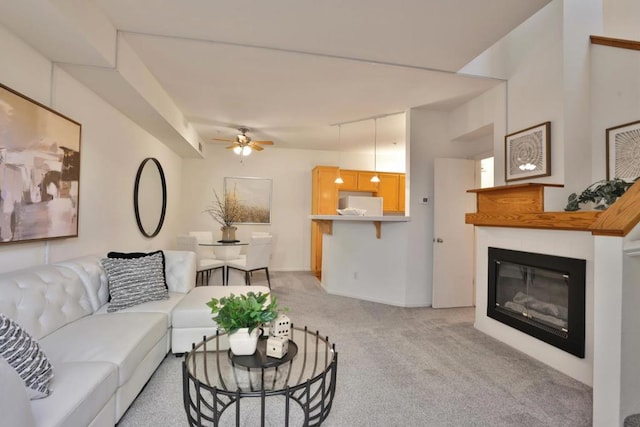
(536, 294)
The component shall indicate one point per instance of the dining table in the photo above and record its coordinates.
(226, 250)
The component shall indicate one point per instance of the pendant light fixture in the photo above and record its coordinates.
(339, 178)
(375, 177)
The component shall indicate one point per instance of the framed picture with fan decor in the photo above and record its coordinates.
(623, 151)
(528, 153)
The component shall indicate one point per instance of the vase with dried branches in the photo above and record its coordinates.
(226, 212)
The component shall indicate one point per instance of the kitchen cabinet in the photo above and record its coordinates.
(364, 182)
(350, 179)
(324, 201)
(388, 189)
(402, 191)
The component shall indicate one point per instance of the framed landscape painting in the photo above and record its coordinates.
(528, 153)
(39, 170)
(623, 151)
(253, 195)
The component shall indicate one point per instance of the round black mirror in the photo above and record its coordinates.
(150, 197)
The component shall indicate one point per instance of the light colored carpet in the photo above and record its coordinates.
(402, 367)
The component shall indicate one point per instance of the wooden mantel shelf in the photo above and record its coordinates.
(576, 221)
(522, 206)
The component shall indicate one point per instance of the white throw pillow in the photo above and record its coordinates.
(23, 353)
(135, 280)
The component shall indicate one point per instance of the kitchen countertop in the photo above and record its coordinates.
(386, 218)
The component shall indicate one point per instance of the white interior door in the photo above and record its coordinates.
(453, 243)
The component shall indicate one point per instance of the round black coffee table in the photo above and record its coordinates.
(220, 388)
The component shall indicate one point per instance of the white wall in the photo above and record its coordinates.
(621, 19)
(546, 62)
(615, 97)
(112, 147)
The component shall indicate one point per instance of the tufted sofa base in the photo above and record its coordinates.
(101, 361)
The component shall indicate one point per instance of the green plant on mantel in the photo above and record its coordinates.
(243, 311)
(602, 193)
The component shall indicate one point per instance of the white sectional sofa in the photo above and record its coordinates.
(100, 360)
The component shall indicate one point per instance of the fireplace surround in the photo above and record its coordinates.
(540, 295)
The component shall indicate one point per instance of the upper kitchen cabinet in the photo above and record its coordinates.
(389, 190)
(324, 190)
(350, 179)
(364, 182)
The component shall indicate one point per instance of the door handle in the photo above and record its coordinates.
(438, 240)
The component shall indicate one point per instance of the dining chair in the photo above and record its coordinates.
(204, 237)
(257, 258)
(205, 265)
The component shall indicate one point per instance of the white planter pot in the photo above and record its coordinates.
(242, 342)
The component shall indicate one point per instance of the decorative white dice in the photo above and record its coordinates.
(280, 326)
(277, 346)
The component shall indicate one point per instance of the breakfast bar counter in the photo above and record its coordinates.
(358, 263)
(326, 221)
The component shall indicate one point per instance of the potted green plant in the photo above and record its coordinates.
(601, 193)
(226, 212)
(241, 315)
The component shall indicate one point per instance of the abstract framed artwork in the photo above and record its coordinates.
(528, 153)
(39, 170)
(254, 197)
(623, 151)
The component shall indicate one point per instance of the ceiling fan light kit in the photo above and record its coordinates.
(244, 145)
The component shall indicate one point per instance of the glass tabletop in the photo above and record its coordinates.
(224, 243)
(309, 356)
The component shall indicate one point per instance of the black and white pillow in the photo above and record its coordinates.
(23, 353)
(133, 281)
(131, 255)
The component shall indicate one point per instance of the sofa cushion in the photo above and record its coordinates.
(120, 338)
(180, 269)
(79, 391)
(193, 312)
(25, 356)
(133, 255)
(134, 281)
(43, 299)
(164, 306)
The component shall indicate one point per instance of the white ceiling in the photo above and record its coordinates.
(289, 69)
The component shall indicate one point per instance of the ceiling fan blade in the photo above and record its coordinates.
(263, 142)
(231, 146)
(256, 147)
(222, 139)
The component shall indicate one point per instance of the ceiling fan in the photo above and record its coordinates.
(243, 145)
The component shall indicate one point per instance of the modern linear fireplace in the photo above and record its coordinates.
(540, 295)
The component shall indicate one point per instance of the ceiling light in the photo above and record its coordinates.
(338, 178)
(246, 150)
(237, 149)
(375, 177)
